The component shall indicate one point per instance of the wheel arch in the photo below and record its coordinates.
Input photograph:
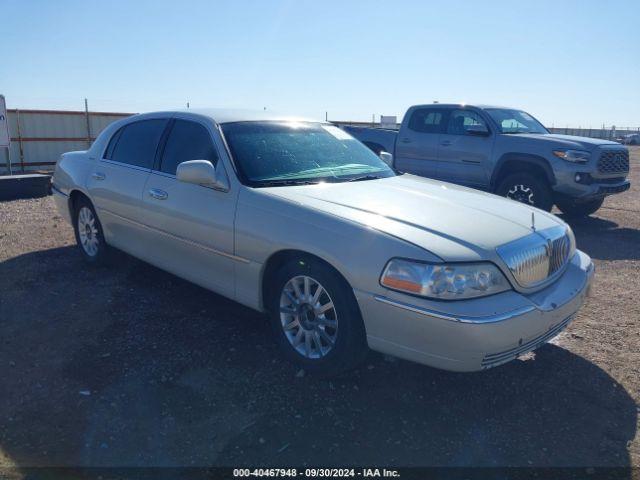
(374, 147)
(74, 196)
(511, 163)
(279, 258)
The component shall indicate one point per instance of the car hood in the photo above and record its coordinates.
(450, 221)
(564, 141)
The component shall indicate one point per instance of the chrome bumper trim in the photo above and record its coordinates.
(456, 318)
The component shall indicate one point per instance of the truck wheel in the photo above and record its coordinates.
(315, 318)
(88, 231)
(525, 188)
(584, 209)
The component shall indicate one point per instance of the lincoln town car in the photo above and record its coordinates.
(295, 218)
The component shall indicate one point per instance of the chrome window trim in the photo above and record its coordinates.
(501, 317)
(127, 165)
(176, 237)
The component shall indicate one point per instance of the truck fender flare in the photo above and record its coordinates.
(529, 158)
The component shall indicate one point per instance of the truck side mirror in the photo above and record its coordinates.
(387, 158)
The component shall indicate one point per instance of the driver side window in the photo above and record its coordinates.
(461, 120)
(187, 141)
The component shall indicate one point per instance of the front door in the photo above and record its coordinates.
(193, 224)
(464, 153)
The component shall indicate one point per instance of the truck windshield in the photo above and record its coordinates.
(293, 153)
(515, 121)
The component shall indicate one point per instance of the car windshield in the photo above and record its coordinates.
(293, 153)
(515, 121)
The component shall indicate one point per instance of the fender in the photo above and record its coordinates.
(524, 158)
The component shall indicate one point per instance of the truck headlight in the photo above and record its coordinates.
(444, 281)
(574, 156)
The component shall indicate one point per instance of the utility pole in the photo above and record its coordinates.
(86, 116)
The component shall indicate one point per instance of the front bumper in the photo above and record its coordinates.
(474, 334)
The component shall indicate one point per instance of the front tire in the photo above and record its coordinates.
(584, 209)
(527, 189)
(315, 317)
(88, 232)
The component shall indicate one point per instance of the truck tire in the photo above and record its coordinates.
(315, 317)
(526, 188)
(584, 209)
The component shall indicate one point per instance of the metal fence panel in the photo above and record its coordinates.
(39, 137)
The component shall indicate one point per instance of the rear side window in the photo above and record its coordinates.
(187, 141)
(427, 120)
(137, 142)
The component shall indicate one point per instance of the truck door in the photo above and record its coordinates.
(465, 149)
(417, 144)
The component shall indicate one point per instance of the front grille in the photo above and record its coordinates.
(536, 258)
(614, 161)
(495, 359)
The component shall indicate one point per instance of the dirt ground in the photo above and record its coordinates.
(129, 366)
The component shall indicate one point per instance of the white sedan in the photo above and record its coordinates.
(297, 219)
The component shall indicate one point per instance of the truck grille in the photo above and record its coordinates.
(614, 161)
(536, 258)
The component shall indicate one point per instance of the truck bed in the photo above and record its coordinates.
(377, 139)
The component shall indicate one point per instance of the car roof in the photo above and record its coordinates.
(221, 115)
(458, 105)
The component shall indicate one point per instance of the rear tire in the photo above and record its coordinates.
(584, 209)
(315, 317)
(88, 231)
(527, 189)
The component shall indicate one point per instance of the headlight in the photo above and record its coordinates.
(444, 281)
(575, 156)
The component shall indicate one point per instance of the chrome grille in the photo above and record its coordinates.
(614, 161)
(538, 257)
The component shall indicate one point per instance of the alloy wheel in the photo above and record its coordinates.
(521, 193)
(88, 231)
(308, 317)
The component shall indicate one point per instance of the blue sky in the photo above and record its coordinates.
(567, 62)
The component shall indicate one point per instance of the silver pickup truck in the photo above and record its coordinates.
(504, 151)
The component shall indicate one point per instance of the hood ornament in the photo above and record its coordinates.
(533, 222)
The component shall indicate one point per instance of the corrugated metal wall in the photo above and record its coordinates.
(39, 137)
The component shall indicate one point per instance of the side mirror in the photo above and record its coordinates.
(387, 158)
(202, 172)
(477, 130)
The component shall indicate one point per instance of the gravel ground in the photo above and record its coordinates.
(127, 365)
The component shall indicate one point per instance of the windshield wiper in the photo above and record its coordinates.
(284, 183)
(364, 177)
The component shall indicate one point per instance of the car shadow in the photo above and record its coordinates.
(127, 365)
(595, 236)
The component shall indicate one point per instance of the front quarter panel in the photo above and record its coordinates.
(266, 224)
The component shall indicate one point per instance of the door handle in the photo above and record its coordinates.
(158, 194)
(446, 143)
(406, 140)
(98, 176)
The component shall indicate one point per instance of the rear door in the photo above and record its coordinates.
(192, 224)
(463, 156)
(418, 141)
(116, 183)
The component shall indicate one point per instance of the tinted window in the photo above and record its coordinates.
(461, 120)
(187, 141)
(515, 121)
(427, 120)
(112, 145)
(138, 142)
(288, 153)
